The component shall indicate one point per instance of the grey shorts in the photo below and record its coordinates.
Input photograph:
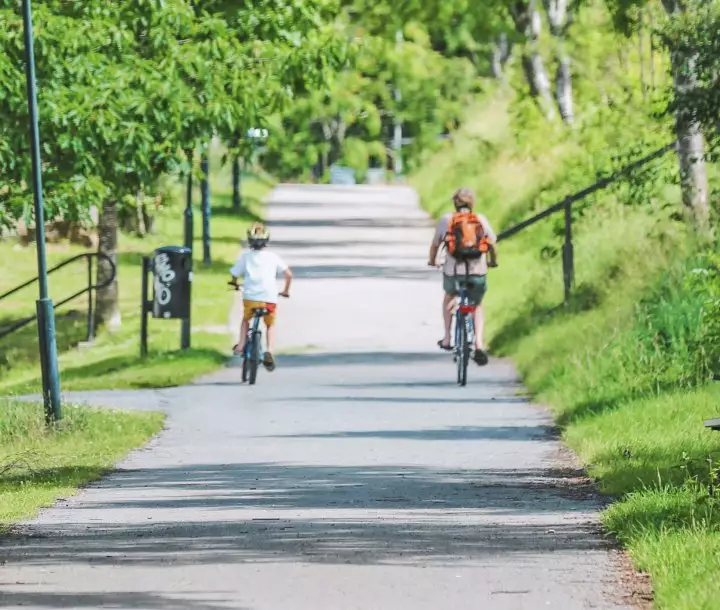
(476, 286)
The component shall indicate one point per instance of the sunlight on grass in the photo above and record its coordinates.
(38, 464)
(113, 359)
(615, 364)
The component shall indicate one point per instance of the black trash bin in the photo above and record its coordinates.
(172, 276)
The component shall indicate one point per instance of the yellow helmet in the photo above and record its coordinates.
(258, 236)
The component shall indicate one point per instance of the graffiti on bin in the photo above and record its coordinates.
(164, 277)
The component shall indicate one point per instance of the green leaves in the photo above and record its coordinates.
(126, 87)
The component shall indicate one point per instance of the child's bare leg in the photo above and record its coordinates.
(270, 338)
(244, 327)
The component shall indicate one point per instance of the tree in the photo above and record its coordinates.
(684, 55)
(528, 23)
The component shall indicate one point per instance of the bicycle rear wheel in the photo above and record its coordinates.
(463, 353)
(254, 361)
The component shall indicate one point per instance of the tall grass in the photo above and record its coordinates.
(627, 366)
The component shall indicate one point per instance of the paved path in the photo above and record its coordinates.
(357, 476)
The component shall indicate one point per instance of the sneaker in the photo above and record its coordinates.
(480, 357)
(269, 361)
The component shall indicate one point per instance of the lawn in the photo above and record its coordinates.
(112, 360)
(39, 464)
(618, 366)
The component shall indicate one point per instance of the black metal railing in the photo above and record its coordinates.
(566, 205)
(89, 257)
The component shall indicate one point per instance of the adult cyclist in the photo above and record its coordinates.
(470, 272)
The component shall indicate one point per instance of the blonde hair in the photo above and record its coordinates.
(464, 198)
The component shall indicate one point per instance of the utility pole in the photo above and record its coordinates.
(44, 305)
(397, 131)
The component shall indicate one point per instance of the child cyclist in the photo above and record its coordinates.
(259, 269)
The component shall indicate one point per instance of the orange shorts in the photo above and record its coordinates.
(248, 312)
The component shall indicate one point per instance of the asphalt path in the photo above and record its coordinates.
(355, 476)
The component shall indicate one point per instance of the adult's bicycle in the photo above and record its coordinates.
(464, 333)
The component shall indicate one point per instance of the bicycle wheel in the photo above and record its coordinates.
(463, 355)
(245, 367)
(254, 359)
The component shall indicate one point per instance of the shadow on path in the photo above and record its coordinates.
(107, 599)
(432, 516)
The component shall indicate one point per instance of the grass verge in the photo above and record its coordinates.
(112, 361)
(40, 464)
(624, 367)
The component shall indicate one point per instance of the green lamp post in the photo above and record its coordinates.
(45, 309)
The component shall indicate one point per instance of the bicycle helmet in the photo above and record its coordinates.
(464, 198)
(258, 236)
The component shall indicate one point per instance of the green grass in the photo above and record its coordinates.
(39, 464)
(620, 366)
(113, 359)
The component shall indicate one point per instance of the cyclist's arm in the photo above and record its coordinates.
(492, 240)
(437, 241)
(432, 256)
(288, 276)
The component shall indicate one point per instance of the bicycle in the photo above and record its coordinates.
(464, 334)
(253, 352)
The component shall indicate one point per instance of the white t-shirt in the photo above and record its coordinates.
(259, 270)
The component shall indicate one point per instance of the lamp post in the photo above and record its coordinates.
(44, 306)
(397, 129)
(188, 218)
(205, 205)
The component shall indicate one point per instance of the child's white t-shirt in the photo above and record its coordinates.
(259, 270)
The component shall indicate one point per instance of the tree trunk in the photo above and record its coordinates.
(500, 56)
(564, 90)
(140, 214)
(691, 142)
(557, 11)
(529, 23)
(107, 312)
(691, 147)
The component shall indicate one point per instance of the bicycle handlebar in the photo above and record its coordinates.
(237, 288)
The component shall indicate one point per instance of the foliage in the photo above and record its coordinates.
(696, 33)
(126, 88)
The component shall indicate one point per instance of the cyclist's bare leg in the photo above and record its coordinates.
(270, 338)
(479, 320)
(244, 327)
(449, 302)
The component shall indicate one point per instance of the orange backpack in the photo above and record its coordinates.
(465, 238)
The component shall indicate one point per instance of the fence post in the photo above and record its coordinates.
(568, 253)
(91, 317)
(144, 306)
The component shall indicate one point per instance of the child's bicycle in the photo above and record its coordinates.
(253, 352)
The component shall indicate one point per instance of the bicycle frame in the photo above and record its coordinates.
(252, 334)
(463, 316)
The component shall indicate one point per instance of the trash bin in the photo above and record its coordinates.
(172, 275)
